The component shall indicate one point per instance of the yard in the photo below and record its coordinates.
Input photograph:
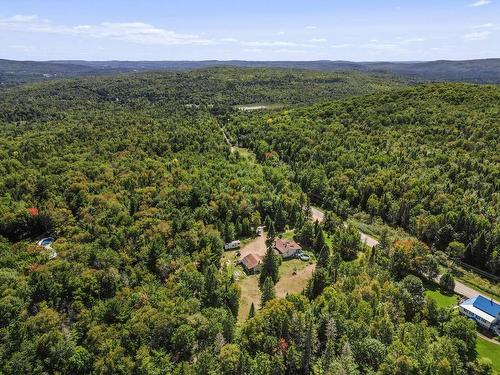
(442, 300)
(486, 349)
(289, 283)
(294, 274)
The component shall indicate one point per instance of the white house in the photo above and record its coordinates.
(484, 311)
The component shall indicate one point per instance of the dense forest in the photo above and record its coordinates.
(133, 178)
(210, 88)
(425, 159)
(472, 71)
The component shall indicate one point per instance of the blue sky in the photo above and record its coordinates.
(360, 30)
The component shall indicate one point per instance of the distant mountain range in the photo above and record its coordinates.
(475, 71)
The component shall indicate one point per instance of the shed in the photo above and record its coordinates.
(252, 263)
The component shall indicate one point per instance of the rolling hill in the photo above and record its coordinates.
(474, 71)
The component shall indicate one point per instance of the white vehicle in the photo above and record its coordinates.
(260, 231)
(232, 245)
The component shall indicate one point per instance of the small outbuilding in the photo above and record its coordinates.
(286, 248)
(252, 264)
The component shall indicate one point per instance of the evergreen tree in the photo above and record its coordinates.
(307, 209)
(329, 352)
(210, 293)
(280, 217)
(323, 257)
(384, 241)
(251, 313)
(305, 235)
(319, 242)
(316, 228)
(317, 283)
(267, 222)
(268, 292)
(270, 267)
(335, 261)
(309, 345)
(271, 234)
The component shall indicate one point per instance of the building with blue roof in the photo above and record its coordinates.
(484, 311)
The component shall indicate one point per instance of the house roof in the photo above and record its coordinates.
(251, 261)
(484, 307)
(284, 246)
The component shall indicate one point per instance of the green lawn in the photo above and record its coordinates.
(486, 349)
(441, 299)
(433, 291)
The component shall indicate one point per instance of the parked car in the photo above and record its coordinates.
(304, 257)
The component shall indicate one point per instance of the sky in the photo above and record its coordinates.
(356, 30)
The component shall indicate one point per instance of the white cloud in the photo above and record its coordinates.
(276, 43)
(229, 40)
(412, 40)
(484, 26)
(287, 50)
(344, 45)
(135, 32)
(253, 50)
(480, 3)
(379, 46)
(21, 47)
(479, 35)
(281, 33)
(22, 18)
(318, 40)
(311, 27)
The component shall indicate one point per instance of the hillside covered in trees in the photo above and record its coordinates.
(133, 178)
(425, 159)
(211, 87)
(473, 71)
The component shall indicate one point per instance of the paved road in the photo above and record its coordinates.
(465, 290)
(319, 215)
(462, 289)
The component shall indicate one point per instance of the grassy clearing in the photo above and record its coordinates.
(258, 106)
(245, 153)
(486, 349)
(442, 300)
(294, 275)
(250, 292)
(375, 227)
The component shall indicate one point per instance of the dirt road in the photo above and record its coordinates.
(319, 215)
(257, 247)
